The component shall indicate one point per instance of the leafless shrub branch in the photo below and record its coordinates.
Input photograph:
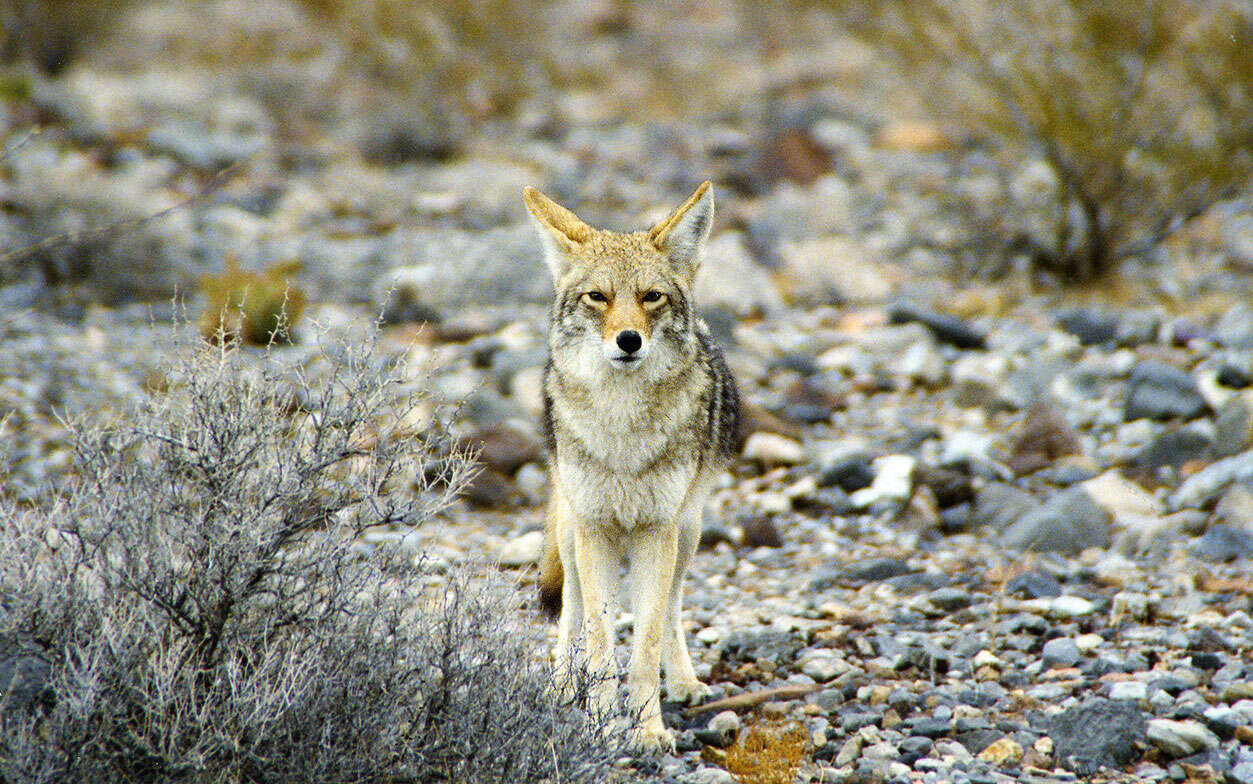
(198, 605)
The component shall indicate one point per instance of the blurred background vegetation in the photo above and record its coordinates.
(1098, 129)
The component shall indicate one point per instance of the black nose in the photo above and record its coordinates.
(629, 341)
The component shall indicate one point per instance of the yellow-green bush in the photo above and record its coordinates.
(254, 307)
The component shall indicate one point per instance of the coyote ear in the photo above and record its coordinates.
(560, 231)
(680, 235)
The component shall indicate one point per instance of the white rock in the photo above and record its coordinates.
(985, 658)
(522, 550)
(1086, 643)
(922, 362)
(708, 775)
(532, 482)
(1129, 690)
(1207, 483)
(1122, 498)
(824, 666)
(773, 449)
(726, 723)
(893, 481)
(966, 446)
(1180, 738)
(709, 635)
(1071, 606)
(1129, 605)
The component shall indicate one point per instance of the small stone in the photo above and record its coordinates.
(1129, 690)
(1180, 738)
(522, 550)
(1207, 484)
(1060, 652)
(893, 481)
(1071, 607)
(880, 751)
(986, 658)
(824, 666)
(1044, 437)
(850, 473)
(760, 532)
(1097, 733)
(849, 752)
(1157, 390)
(772, 449)
(1067, 523)
(1233, 427)
(1091, 326)
(708, 775)
(1033, 585)
(946, 328)
(997, 505)
(1223, 543)
(949, 599)
(723, 728)
(1005, 751)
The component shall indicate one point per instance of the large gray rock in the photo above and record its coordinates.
(1157, 390)
(1207, 484)
(1180, 738)
(447, 269)
(1067, 523)
(1097, 733)
(998, 506)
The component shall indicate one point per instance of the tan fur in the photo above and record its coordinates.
(637, 438)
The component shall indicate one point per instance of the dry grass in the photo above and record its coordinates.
(768, 753)
(1139, 112)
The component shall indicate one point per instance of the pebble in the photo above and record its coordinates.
(1129, 690)
(1157, 390)
(1180, 738)
(1068, 522)
(1060, 652)
(893, 481)
(1005, 751)
(772, 449)
(522, 550)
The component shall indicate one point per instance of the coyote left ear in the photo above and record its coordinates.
(680, 235)
(560, 231)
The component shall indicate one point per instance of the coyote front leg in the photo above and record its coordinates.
(596, 564)
(681, 682)
(653, 558)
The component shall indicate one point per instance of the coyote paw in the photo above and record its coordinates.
(654, 741)
(688, 692)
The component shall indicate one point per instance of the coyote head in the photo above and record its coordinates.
(623, 301)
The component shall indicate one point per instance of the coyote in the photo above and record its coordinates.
(640, 416)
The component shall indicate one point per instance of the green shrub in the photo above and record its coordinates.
(1142, 111)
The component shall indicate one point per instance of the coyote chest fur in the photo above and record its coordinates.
(640, 416)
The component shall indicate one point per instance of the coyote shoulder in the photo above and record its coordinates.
(641, 416)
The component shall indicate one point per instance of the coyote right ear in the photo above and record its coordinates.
(560, 231)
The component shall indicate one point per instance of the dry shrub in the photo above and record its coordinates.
(1141, 111)
(477, 53)
(50, 32)
(258, 308)
(769, 753)
(197, 605)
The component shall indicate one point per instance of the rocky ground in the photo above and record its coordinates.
(979, 531)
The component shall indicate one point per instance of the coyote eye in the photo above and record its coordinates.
(596, 296)
(652, 296)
